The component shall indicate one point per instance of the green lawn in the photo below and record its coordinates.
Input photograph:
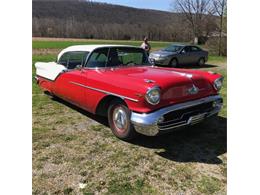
(40, 44)
(75, 152)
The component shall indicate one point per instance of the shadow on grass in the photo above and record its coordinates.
(194, 66)
(200, 143)
(100, 119)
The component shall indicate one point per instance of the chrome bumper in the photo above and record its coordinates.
(150, 124)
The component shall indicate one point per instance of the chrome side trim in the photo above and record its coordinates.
(105, 92)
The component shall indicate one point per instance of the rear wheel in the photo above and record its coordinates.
(201, 62)
(173, 63)
(119, 120)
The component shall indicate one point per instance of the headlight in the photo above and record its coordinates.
(153, 95)
(218, 83)
(163, 56)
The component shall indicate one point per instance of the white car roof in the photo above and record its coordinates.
(88, 48)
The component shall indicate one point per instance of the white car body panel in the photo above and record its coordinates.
(49, 70)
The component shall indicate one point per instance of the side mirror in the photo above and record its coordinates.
(183, 51)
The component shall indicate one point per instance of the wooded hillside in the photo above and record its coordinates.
(82, 19)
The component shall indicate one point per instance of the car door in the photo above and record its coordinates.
(196, 54)
(185, 55)
(93, 81)
(65, 86)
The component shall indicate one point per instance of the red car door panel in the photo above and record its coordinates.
(65, 86)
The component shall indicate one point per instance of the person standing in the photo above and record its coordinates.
(146, 46)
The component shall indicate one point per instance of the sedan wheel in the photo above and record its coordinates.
(173, 63)
(119, 121)
(201, 62)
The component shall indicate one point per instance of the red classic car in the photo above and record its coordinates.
(119, 82)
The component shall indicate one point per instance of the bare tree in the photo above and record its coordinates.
(195, 12)
(219, 8)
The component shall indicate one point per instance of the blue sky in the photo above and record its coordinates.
(147, 4)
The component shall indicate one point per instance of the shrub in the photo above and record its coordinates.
(212, 45)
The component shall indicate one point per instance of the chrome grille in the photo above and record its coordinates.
(188, 116)
(196, 119)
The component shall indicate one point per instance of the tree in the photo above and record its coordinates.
(87, 19)
(219, 8)
(195, 12)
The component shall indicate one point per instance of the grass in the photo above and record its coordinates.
(217, 59)
(71, 147)
(209, 185)
(39, 44)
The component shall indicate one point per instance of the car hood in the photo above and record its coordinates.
(163, 52)
(175, 84)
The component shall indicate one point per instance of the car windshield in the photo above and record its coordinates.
(173, 48)
(127, 57)
(118, 56)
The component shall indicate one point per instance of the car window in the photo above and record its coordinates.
(195, 49)
(129, 57)
(64, 59)
(98, 58)
(76, 58)
(186, 49)
(72, 59)
(117, 56)
(173, 48)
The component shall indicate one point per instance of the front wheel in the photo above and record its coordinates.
(173, 63)
(119, 121)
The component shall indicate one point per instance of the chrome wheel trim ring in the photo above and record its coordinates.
(120, 119)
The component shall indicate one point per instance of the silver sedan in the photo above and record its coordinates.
(177, 54)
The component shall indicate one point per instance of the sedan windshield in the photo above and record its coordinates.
(118, 56)
(173, 48)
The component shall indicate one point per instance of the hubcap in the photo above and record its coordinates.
(201, 62)
(120, 119)
(173, 63)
